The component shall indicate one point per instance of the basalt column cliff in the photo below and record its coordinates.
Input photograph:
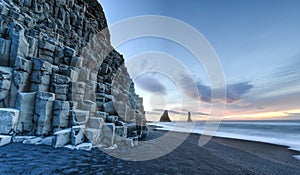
(61, 82)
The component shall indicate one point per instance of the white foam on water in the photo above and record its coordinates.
(284, 133)
(297, 157)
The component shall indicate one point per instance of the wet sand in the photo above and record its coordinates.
(219, 156)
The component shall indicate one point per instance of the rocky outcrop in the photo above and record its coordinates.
(189, 117)
(165, 117)
(61, 82)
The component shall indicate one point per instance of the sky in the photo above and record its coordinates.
(257, 43)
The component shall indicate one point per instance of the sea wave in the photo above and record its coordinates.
(285, 133)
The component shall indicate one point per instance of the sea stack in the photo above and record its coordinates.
(165, 117)
(61, 81)
(189, 117)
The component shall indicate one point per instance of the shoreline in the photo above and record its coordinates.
(219, 156)
(227, 140)
(237, 139)
(252, 138)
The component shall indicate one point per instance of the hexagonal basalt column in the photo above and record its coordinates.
(9, 118)
(43, 113)
(5, 84)
(26, 104)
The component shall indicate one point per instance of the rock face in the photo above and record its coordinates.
(9, 120)
(189, 117)
(165, 117)
(61, 79)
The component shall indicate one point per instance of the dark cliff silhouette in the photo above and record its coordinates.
(189, 117)
(165, 117)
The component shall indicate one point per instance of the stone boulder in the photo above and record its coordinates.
(77, 134)
(4, 140)
(109, 108)
(9, 118)
(62, 138)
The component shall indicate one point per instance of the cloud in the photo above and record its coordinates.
(162, 110)
(234, 92)
(193, 112)
(153, 113)
(198, 90)
(284, 76)
(290, 71)
(204, 92)
(284, 101)
(292, 116)
(182, 112)
(150, 84)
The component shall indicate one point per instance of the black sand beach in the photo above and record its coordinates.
(219, 156)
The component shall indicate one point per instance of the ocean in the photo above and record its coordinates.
(285, 133)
